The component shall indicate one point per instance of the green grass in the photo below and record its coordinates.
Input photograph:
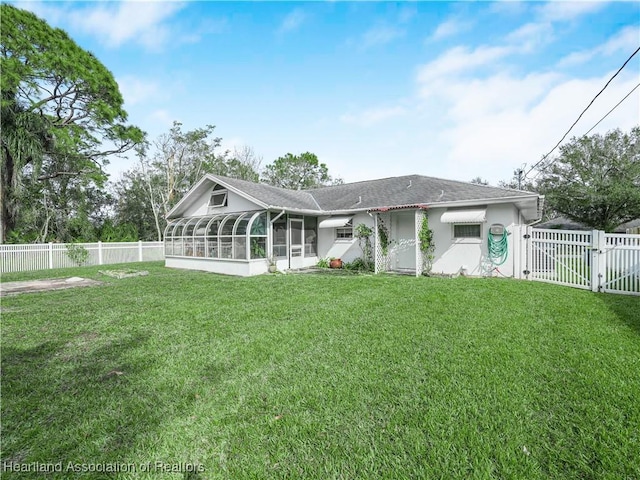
(322, 376)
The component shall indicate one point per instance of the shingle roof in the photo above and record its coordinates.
(274, 196)
(370, 194)
(406, 190)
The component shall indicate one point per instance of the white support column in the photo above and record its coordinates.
(139, 250)
(99, 252)
(528, 262)
(417, 222)
(376, 244)
(50, 255)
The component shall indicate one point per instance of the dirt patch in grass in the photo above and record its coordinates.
(31, 286)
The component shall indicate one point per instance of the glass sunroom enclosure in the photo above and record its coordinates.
(236, 236)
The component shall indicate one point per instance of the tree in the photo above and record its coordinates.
(297, 172)
(479, 181)
(596, 180)
(243, 163)
(171, 165)
(62, 112)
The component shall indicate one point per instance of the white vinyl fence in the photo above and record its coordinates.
(42, 256)
(593, 260)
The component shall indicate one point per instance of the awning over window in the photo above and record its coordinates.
(334, 222)
(464, 216)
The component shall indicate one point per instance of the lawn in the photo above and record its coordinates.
(320, 376)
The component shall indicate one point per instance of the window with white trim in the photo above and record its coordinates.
(219, 197)
(467, 230)
(346, 232)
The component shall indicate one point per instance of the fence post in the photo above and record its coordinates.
(99, 252)
(528, 262)
(50, 255)
(598, 255)
(139, 250)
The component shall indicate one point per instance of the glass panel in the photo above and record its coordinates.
(177, 230)
(240, 247)
(258, 247)
(296, 233)
(466, 231)
(212, 227)
(280, 238)
(188, 247)
(177, 246)
(188, 229)
(201, 227)
(168, 246)
(198, 247)
(310, 236)
(170, 226)
(259, 225)
(226, 247)
(241, 226)
(212, 245)
(227, 226)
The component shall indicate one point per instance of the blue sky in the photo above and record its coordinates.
(375, 89)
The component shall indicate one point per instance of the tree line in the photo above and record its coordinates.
(62, 120)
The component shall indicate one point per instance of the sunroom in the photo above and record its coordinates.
(241, 243)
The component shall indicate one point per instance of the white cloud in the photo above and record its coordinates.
(136, 90)
(292, 21)
(459, 60)
(380, 35)
(531, 36)
(372, 116)
(449, 28)
(117, 23)
(625, 40)
(562, 11)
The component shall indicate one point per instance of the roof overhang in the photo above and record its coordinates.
(202, 186)
(478, 215)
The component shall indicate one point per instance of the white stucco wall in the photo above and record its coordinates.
(226, 267)
(451, 255)
(235, 203)
(347, 250)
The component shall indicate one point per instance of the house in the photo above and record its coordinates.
(232, 226)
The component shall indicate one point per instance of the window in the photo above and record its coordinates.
(218, 197)
(346, 232)
(467, 230)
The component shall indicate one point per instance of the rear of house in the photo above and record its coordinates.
(236, 227)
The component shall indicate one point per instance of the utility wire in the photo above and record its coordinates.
(616, 106)
(583, 112)
(598, 122)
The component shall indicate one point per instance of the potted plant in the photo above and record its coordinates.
(335, 263)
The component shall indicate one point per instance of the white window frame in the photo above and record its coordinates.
(219, 193)
(347, 229)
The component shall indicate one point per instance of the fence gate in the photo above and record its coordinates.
(560, 256)
(621, 264)
(595, 260)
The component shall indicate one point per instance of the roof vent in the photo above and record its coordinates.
(359, 200)
(409, 186)
(441, 195)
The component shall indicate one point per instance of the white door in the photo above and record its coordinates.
(296, 243)
(406, 235)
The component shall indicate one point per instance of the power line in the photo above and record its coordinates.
(583, 112)
(598, 122)
(616, 106)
